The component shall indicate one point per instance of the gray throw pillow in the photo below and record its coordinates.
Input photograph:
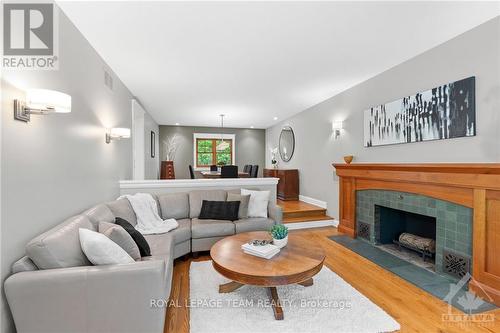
(244, 200)
(121, 237)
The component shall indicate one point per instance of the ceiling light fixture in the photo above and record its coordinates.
(223, 145)
(41, 102)
(177, 124)
(275, 118)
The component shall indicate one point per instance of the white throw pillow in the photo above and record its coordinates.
(257, 206)
(100, 250)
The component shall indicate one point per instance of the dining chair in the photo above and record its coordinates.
(247, 168)
(213, 167)
(255, 171)
(229, 171)
(191, 171)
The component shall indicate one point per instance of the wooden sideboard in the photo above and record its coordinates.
(472, 185)
(288, 184)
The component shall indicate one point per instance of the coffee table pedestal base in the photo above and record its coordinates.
(273, 293)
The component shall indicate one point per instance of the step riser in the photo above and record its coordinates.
(306, 219)
(305, 213)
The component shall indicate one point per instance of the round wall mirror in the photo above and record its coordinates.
(286, 143)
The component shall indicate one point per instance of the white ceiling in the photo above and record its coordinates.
(189, 62)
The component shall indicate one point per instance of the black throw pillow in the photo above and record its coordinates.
(138, 238)
(219, 210)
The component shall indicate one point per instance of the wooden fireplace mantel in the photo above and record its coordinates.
(475, 185)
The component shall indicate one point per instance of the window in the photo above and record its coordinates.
(206, 153)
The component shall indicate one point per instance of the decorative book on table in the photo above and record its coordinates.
(263, 251)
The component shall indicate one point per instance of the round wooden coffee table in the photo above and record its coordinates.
(297, 263)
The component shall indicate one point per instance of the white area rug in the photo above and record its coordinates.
(330, 305)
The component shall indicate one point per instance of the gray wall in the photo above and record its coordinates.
(56, 166)
(474, 53)
(250, 146)
(151, 165)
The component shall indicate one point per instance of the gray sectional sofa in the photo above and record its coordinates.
(54, 288)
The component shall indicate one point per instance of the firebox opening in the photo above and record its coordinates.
(408, 235)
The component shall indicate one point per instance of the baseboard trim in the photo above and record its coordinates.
(313, 201)
(312, 224)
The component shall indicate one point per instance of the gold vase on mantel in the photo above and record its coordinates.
(348, 159)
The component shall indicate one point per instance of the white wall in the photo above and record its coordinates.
(474, 53)
(56, 166)
(138, 139)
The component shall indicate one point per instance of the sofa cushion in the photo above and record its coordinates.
(244, 200)
(123, 209)
(219, 210)
(211, 228)
(100, 213)
(138, 238)
(121, 237)
(196, 199)
(24, 264)
(183, 232)
(253, 224)
(60, 247)
(161, 244)
(101, 250)
(174, 205)
(259, 200)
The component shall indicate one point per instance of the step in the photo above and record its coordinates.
(296, 206)
(305, 213)
(306, 218)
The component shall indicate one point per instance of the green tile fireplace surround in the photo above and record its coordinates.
(453, 221)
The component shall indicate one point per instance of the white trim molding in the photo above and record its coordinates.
(313, 201)
(186, 185)
(196, 183)
(231, 137)
(312, 224)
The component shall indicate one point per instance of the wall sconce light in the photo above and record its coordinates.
(337, 127)
(117, 133)
(42, 102)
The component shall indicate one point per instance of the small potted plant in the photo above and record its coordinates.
(279, 232)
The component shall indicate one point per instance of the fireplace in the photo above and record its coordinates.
(463, 197)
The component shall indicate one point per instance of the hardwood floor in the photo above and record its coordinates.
(413, 308)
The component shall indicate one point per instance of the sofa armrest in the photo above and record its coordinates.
(275, 212)
(110, 298)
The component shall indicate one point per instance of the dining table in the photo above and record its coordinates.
(216, 174)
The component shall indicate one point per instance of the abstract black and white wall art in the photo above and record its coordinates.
(444, 112)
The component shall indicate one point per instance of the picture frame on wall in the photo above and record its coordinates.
(444, 112)
(153, 144)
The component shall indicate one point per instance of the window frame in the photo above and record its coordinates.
(214, 137)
